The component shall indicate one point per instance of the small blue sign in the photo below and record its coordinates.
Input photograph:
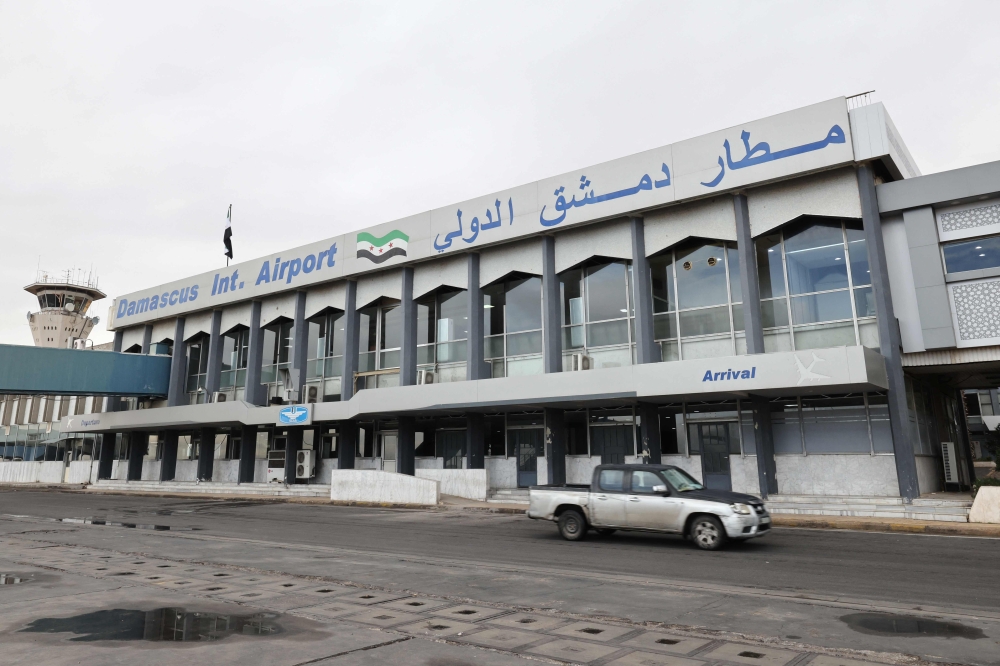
(294, 415)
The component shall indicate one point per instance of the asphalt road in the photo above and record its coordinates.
(899, 568)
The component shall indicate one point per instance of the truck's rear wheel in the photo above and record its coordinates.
(572, 525)
(707, 533)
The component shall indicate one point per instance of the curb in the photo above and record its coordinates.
(940, 528)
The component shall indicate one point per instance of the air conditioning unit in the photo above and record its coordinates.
(425, 376)
(304, 465)
(581, 362)
(220, 396)
(950, 462)
(312, 394)
(290, 396)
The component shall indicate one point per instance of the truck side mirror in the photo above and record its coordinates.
(662, 489)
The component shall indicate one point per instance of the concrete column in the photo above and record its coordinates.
(168, 457)
(408, 352)
(106, 458)
(646, 350)
(753, 326)
(649, 433)
(138, 443)
(555, 444)
(475, 441)
(254, 392)
(475, 367)
(351, 333)
(405, 456)
(147, 338)
(214, 377)
(300, 346)
(176, 395)
(248, 454)
(347, 444)
(293, 444)
(889, 340)
(551, 308)
(206, 454)
(963, 433)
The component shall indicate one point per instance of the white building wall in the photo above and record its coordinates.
(828, 474)
(830, 194)
(609, 239)
(714, 218)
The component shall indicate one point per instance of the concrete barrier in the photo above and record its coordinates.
(79, 471)
(369, 485)
(51, 472)
(986, 507)
(19, 471)
(471, 484)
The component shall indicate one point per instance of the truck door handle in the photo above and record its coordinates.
(602, 497)
(633, 499)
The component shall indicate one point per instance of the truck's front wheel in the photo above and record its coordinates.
(707, 533)
(572, 525)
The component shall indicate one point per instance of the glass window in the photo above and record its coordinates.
(524, 304)
(512, 326)
(662, 275)
(835, 424)
(571, 285)
(645, 482)
(612, 480)
(972, 255)
(814, 253)
(733, 266)
(701, 276)
(453, 322)
(392, 327)
(770, 271)
(785, 425)
(858, 252)
(606, 292)
(815, 308)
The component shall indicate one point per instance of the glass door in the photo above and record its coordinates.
(389, 445)
(527, 445)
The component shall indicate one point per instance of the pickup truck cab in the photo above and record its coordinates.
(650, 498)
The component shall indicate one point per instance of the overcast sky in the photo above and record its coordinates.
(127, 128)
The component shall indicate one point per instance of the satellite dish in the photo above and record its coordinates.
(69, 307)
(96, 320)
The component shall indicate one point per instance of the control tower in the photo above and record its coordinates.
(62, 320)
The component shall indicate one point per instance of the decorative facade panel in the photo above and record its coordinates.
(977, 309)
(970, 218)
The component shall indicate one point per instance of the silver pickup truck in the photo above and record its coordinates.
(651, 498)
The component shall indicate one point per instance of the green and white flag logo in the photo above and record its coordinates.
(377, 250)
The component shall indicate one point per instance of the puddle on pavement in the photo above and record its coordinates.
(162, 624)
(885, 624)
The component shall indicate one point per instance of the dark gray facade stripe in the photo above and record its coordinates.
(645, 348)
(168, 455)
(551, 319)
(406, 462)
(147, 338)
(649, 433)
(940, 188)
(214, 377)
(347, 444)
(351, 332)
(408, 352)
(555, 444)
(475, 365)
(253, 392)
(178, 367)
(754, 329)
(206, 454)
(105, 461)
(889, 339)
(248, 454)
(138, 442)
(933, 306)
(300, 345)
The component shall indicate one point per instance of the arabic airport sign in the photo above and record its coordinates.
(804, 140)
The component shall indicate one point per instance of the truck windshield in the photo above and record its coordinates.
(681, 481)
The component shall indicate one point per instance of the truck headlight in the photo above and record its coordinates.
(741, 509)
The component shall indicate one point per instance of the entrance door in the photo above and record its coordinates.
(389, 442)
(527, 445)
(614, 442)
(451, 447)
(715, 455)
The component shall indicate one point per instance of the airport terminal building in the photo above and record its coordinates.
(782, 307)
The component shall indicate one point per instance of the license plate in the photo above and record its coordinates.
(765, 519)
